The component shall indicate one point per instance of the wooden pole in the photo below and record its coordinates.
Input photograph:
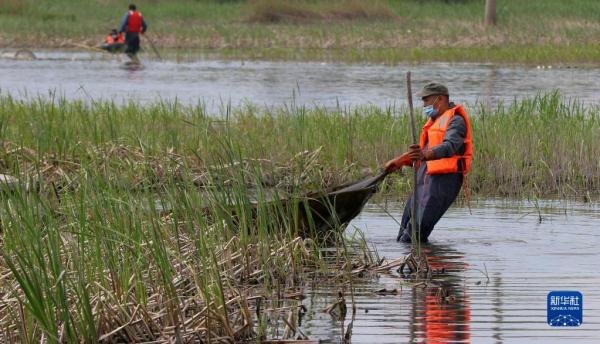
(153, 47)
(413, 216)
(490, 12)
(415, 203)
(85, 46)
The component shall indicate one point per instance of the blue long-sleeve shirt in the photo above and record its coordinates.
(125, 19)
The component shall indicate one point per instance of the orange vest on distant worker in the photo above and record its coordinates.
(110, 39)
(134, 21)
(433, 135)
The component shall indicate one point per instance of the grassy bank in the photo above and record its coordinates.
(121, 229)
(551, 31)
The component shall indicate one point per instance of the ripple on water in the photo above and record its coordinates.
(217, 82)
(524, 261)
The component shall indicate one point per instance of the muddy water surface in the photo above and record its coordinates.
(217, 82)
(524, 260)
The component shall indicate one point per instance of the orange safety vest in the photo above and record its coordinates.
(433, 134)
(134, 21)
(110, 39)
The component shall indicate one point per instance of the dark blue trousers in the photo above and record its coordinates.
(436, 193)
(132, 43)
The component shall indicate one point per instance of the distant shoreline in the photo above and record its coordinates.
(549, 32)
(538, 56)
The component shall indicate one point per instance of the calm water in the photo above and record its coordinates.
(525, 260)
(215, 82)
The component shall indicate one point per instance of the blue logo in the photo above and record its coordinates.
(565, 308)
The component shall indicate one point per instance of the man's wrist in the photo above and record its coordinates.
(428, 155)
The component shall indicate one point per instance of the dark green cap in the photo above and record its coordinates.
(433, 88)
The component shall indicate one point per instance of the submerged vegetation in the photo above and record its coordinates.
(549, 31)
(156, 222)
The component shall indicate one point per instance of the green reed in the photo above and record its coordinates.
(543, 143)
(137, 216)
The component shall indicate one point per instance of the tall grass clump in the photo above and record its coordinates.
(541, 145)
(99, 262)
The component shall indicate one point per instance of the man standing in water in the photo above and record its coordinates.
(133, 24)
(444, 158)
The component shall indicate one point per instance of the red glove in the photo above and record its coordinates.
(397, 163)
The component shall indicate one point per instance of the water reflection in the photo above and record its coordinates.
(498, 266)
(441, 313)
(497, 306)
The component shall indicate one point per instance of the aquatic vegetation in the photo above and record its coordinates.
(95, 260)
(160, 222)
(542, 145)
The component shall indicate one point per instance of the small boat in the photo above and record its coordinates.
(316, 214)
(335, 208)
(21, 54)
(116, 47)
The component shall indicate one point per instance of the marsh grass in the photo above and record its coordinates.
(100, 262)
(543, 144)
(162, 222)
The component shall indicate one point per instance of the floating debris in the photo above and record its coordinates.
(338, 308)
(21, 54)
(415, 264)
(385, 291)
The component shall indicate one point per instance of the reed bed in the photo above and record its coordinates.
(97, 261)
(164, 223)
(276, 11)
(542, 145)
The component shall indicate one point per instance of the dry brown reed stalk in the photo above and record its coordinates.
(125, 319)
(416, 264)
(65, 171)
(149, 171)
(121, 316)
